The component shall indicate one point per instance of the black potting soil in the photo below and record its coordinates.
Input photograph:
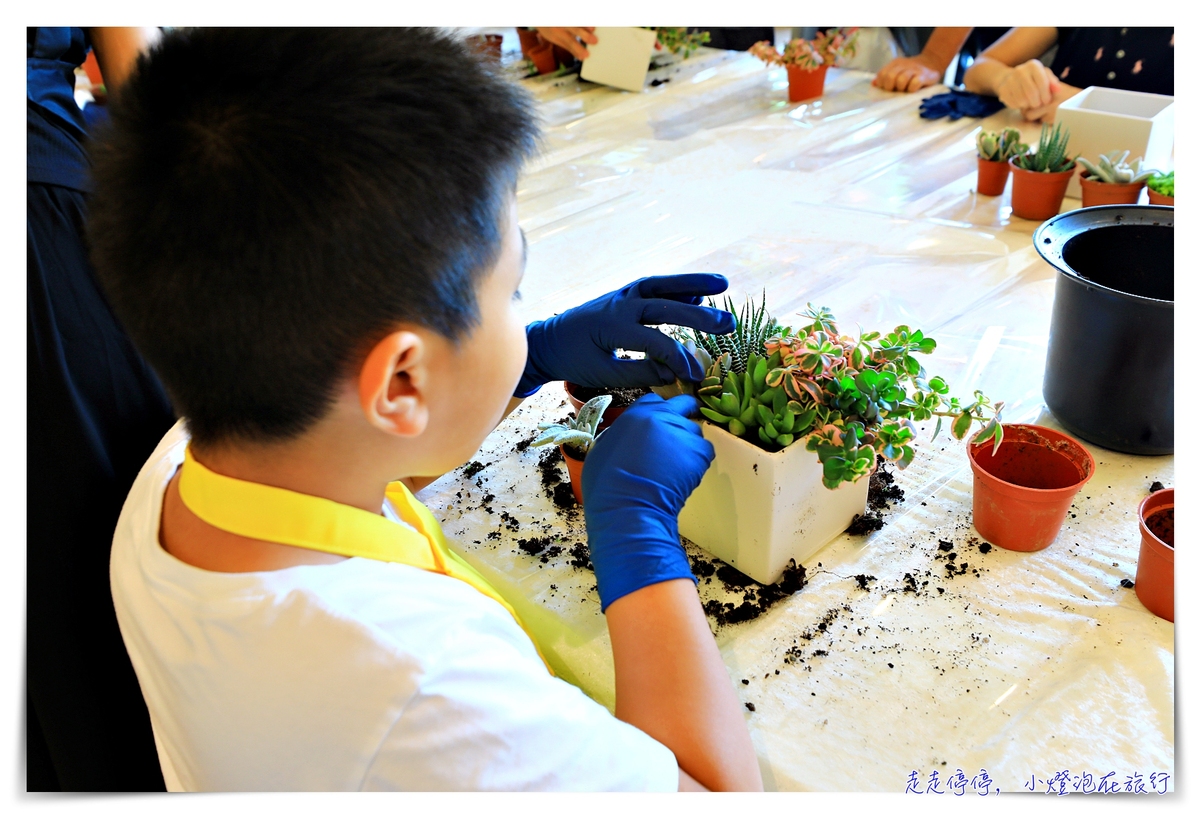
(473, 468)
(756, 599)
(864, 524)
(1162, 525)
(534, 545)
(580, 556)
(863, 579)
(621, 396)
(1126, 583)
(564, 497)
(883, 490)
(1156, 486)
(523, 445)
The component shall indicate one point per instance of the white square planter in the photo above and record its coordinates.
(1108, 119)
(620, 57)
(756, 510)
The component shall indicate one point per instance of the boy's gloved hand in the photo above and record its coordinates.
(579, 344)
(636, 478)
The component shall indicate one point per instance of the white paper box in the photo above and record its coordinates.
(620, 58)
(756, 510)
(1108, 119)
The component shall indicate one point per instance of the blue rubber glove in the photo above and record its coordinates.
(579, 344)
(636, 478)
(957, 104)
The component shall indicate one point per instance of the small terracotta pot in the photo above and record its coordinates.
(606, 420)
(529, 39)
(1159, 199)
(1096, 192)
(993, 177)
(1155, 583)
(804, 84)
(575, 469)
(1022, 493)
(543, 57)
(488, 46)
(1038, 196)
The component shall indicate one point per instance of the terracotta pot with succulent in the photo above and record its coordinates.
(994, 149)
(574, 439)
(1040, 179)
(808, 60)
(1111, 181)
(1161, 189)
(1155, 584)
(766, 499)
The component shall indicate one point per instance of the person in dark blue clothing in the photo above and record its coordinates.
(95, 412)
(1130, 58)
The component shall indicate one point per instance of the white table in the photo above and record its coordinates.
(1040, 663)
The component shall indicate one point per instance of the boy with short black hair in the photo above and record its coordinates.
(312, 237)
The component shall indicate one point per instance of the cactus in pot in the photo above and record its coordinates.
(1040, 179)
(1112, 169)
(1000, 146)
(575, 438)
(1110, 180)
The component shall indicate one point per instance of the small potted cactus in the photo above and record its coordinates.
(797, 419)
(808, 60)
(1111, 181)
(574, 439)
(995, 148)
(1040, 179)
(1161, 189)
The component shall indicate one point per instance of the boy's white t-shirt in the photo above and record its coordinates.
(360, 675)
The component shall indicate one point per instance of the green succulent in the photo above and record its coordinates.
(578, 433)
(678, 40)
(850, 398)
(1051, 156)
(1163, 184)
(1111, 168)
(752, 327)
(1000, 146)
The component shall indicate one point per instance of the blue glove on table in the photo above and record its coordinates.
(579, 344)
(636, 478)
(957, 104)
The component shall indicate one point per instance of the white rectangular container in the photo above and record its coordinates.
(756, 510)
(620, 57)
(1108, 119)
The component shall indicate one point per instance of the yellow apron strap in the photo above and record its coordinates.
(273, 514)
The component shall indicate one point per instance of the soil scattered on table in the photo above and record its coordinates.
(621, 396)
(1126, 583)
(473, 468)
(1156, 486)
(881, 493)
(581, 557)
(863, 579)
(757, 599)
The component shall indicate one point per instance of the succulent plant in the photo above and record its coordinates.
(1111, 168)
(749, 337)
(826, 48)
(678, 40)
(1051, 156)
(1163, 184)
(1000, 146)
(850, 398)
(577, 433)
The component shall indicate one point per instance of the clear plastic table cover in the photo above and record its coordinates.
(1023, 665)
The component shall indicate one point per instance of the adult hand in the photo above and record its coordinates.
(1029, 86)
(579, 345)
(1046, 113)
(636, 478)
(908, 74)
(569, 38)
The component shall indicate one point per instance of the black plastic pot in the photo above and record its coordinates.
(1110, 368)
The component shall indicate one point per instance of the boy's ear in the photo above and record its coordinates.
(391, 385)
